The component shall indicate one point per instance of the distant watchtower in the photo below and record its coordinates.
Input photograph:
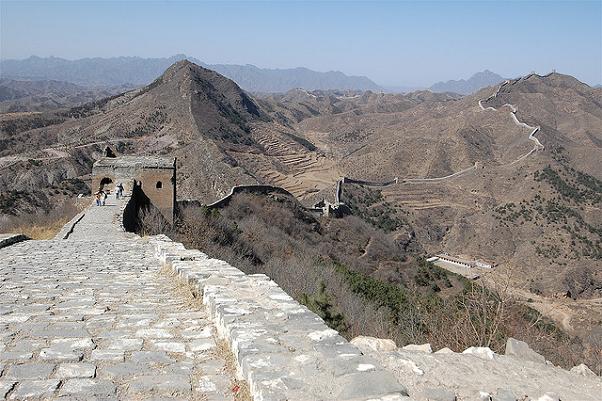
(149, 176)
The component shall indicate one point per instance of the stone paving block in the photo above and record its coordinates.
(182, 367)
(65, 355)
(213, 366)
(194, 332)
(170, 346)
(124, 370)
(107, 355)
(61, 330)
(154, 333)
(72, 370)
(36, 370)
(163, 383)
(110, 333)
(124, 344)
(34, 389)
(201, 345)
(154, 357)
(135, 322)
(187, 315)
(205, 384)
(29, 345)
(68, 318)
(15, 355)
(14, 318)
(73, 343)
(87, 388)
(215, 385)
(168, 323)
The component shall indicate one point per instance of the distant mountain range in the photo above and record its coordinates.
(44, 95)
(141, 71)
(137, 71)
(478, 81)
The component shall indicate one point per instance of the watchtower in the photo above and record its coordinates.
(154, 177)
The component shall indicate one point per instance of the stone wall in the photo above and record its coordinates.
(480, 374)
(346, 180)
(283, 350)
(68, 228)
(257, 189)
(11, 239)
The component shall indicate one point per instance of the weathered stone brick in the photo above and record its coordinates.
(87, 388)
(107, 355)
(61, 354)
(155, 357)
(124, 344)
(36, 370)
(15, 355)
(163, 383)
(34, 389)
(170, 346)
(71, 370)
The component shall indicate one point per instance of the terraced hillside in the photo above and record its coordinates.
(289, 162)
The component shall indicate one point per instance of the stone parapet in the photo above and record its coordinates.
(68, 228)
(11, 239)
(478, 373)
(282, 349)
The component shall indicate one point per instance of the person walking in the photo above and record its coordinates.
(104, 197)
(119, 193)
(97, 195)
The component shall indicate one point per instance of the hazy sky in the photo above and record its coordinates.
(393, 43)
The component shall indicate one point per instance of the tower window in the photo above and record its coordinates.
(159, 185)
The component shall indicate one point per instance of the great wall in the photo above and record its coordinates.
(328, 208)
(101, 313)
(513, 110)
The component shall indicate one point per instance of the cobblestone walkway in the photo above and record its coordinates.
(99, 223)
(85, 319)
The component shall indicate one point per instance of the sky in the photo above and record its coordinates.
(395, 43)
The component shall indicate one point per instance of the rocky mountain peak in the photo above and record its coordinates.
(209, 92)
